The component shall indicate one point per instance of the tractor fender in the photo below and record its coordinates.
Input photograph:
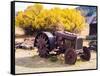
(50, 37)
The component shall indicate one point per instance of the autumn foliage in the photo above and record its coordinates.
(37, 17)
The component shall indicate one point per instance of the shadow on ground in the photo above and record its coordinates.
(37, 62)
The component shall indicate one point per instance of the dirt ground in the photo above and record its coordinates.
(28, 61)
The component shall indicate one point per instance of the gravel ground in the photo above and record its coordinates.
(28, 61)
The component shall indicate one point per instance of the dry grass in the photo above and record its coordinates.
(28, 61)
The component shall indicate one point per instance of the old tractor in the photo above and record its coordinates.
(62, 42)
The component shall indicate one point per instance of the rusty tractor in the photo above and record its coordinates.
(62, 42)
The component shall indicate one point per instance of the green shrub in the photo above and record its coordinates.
(53, 58)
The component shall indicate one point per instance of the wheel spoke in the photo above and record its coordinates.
(46, 45)
(37, 40)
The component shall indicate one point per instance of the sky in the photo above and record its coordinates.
(19, 6)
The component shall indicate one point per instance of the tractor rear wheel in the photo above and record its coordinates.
(86, 54)
(42, 43)
(70, 56)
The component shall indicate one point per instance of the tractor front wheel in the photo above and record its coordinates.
(70, 56)
(86, 54)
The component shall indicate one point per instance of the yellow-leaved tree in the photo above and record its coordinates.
(73, 20)
(37, 17)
